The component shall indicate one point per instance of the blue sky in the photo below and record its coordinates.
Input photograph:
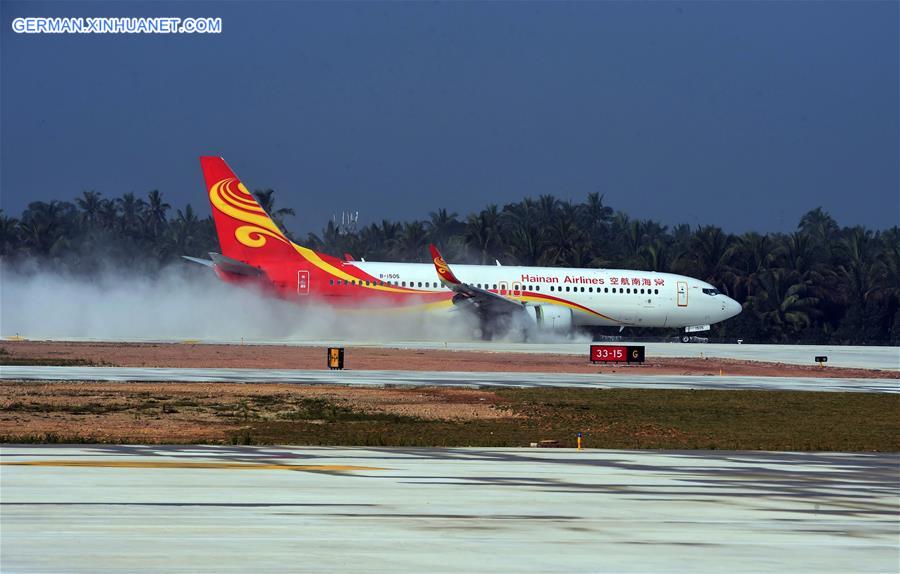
(740, 114)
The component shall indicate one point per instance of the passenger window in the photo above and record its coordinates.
(642, 291)
(582, 289)
(606, 289)
(537, 287)
(656, 291)
(495, 286)
(420, 283)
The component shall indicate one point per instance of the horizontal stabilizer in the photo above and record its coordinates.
(205, 262)
(229, 265)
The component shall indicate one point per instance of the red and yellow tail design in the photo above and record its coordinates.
(246, 232)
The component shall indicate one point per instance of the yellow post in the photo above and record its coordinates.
(579, 441)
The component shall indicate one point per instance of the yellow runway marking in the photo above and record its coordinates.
(190, 341)
(187, 464)
(15, 338)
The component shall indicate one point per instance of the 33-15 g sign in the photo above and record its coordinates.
(617, 354)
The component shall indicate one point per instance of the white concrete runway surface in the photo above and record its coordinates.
(622, 380)
(858, 357)
(237, 509)
(883, 358)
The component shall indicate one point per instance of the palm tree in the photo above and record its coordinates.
(411, 242)
(90, 203)
(482, 231)
(108, 214)
(132, 209)
(800, 253)
(440, 226)
(9, 234)
(783, 308)
(857, 247)
(525, 242)
(566, 242)
(886, 282)
(595, 216)
(546, 209)
(655, 255)
(708, 259)
(185, 232)
(45, 226)
(156, 212)
(747, 257)
(819, 225)
(266, 200)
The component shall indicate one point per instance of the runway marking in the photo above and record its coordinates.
(192, 465)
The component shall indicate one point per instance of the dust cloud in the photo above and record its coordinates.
(183, 302)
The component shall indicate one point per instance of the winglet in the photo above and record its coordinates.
(443, 270)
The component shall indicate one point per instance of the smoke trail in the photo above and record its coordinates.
(181, 302)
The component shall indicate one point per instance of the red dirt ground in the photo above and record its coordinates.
(176, 355)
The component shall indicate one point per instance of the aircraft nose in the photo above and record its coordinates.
(731, 308)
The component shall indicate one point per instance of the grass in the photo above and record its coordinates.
(616, 419)
(627, 419)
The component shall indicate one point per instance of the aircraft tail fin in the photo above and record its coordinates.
(443, 270)
(246, 232)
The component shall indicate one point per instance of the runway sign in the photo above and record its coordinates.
(617, 354)
(335, 357)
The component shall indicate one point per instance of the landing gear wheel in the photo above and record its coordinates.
(685, 339)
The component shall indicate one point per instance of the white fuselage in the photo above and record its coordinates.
(597, 297)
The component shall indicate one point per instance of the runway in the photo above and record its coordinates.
(434, 378)
(884, 358)
(858, 357)
(231, 509)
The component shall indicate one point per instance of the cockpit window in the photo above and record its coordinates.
(712, 291)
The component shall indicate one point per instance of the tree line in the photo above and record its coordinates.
(821, 283)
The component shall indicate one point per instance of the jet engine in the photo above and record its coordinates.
(551, 317)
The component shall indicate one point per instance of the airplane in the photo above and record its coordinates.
(257, 253)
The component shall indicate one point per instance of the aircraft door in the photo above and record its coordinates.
(682, 293)
(302, 282)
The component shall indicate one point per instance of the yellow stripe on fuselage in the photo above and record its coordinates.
(314, 258)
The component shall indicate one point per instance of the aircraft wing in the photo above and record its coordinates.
(483, 300)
